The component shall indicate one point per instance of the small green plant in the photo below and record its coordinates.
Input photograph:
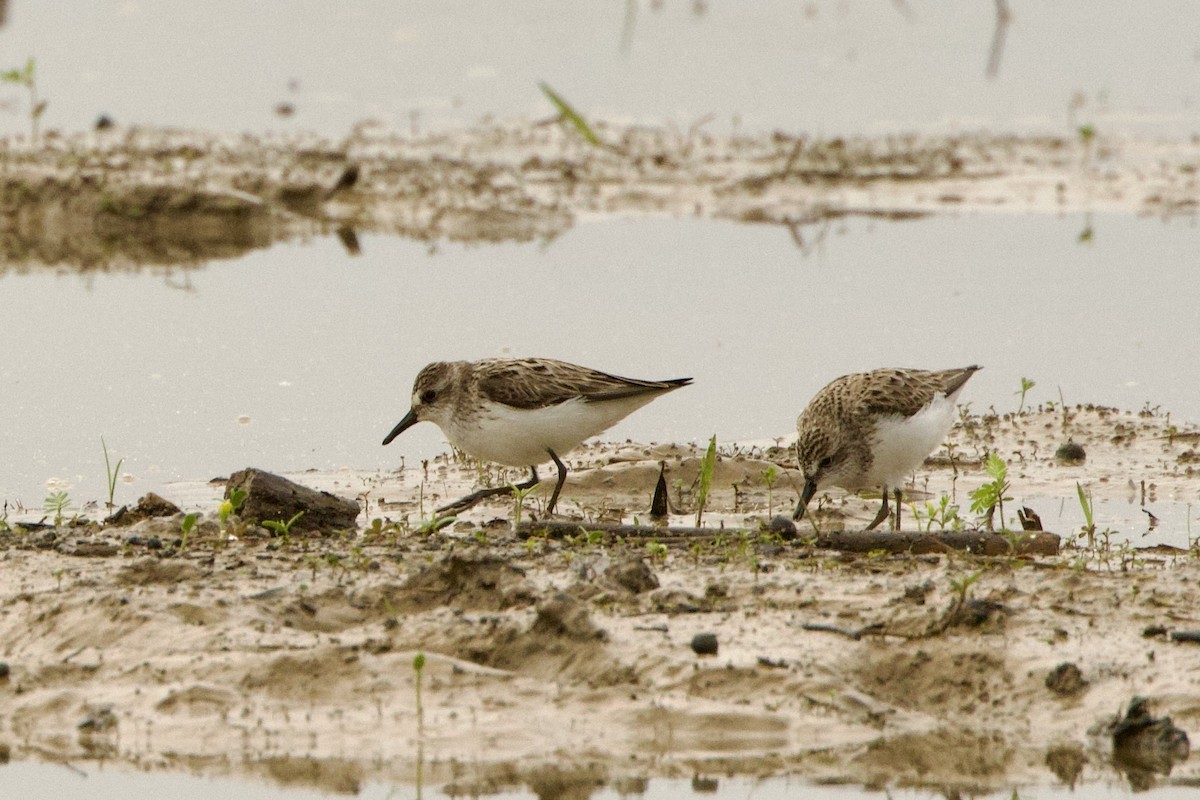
(27, 76)
(1026, 385)
(231, 504)
(570, 114)
(769, 476)
(434, 524)
(112, 473)
(282, 529)
(418, 664)
(56, 503)
(989, 497)
(186, 525)
(519, 496)
(707, 465)
(656, 551)
(944, 514)
(1089, 520)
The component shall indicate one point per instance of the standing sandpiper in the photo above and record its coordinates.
(873, 428)
(522, 411)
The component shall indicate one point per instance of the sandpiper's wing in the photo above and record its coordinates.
(907, 391)
(541, 382)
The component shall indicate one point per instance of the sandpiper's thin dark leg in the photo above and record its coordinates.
(562, 478)
(463, 503)
(883, 511)
(897, 495)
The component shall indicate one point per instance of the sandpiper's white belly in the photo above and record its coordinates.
(522, 437)
(901, 443)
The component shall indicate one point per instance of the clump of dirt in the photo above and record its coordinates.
(487, 583)
(152, 570)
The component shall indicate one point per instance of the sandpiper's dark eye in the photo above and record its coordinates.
(428, 396)
(825, 463)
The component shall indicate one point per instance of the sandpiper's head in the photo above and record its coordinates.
(432, 397)
(827, 457)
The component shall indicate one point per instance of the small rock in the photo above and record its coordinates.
(783, 526)
(1065, 680)
(1071, 453)
(4, 670)
(705, 644)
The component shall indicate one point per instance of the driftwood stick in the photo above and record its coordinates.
(978, 542)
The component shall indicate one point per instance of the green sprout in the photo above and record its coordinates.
(1026, 385)
(418, 668)
(434, 524)
(769, 476)
(56, 503)
(185, 528)
(231, 504)
(281, 528)
(112, 473)
(707, 465)
(519, 495)
(569, 114)
(1088, 504)
(26, 76)
(990, 496)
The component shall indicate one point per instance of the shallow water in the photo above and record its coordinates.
(819, 67)
(45, 782)
(302, 356)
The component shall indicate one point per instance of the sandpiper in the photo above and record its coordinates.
(523, 411)
(873, 428)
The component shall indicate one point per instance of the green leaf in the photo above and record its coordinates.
(570, 114)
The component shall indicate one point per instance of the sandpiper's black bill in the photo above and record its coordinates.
(409, 420)
(810, 488)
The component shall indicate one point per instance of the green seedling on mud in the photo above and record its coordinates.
(27, 76)
(769, 476)
(231, 504)
(989, 497)
(656, 551)
(282, 529)
(570, 114)
(418, 664)
(56, 503)
(434, 524)
(1089, 521)
(944, 514)
(112, 473)
(707, 465)
(519, 496)
(1026, 385)
(185, 528)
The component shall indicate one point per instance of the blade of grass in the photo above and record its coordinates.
(570, 114)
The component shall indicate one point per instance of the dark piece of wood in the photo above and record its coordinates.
(978, 542)
(271, 497)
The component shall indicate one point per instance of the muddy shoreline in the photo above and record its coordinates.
(130, 198)
(568, 662)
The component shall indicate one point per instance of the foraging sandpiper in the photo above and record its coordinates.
(523, 411)
(872, 428)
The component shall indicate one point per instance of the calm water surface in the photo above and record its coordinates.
(825, 67)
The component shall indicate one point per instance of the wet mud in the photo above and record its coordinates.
(562, 663)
